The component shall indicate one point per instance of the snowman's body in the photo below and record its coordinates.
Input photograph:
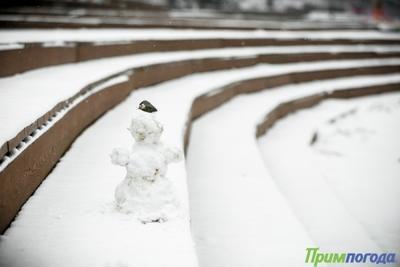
(146, 192)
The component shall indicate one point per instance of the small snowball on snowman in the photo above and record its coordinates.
(146, 192)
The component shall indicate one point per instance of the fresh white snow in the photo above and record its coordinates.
(70, 220)
(29, 95)
(10, 46)
(240, 215)
(42, 129)
(355, 160)
(103, 35)
(211, 22)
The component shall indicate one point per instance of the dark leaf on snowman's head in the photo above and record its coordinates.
(146, 106)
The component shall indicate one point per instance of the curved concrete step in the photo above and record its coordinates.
(50, 211)
(23, 56)
(22, 91)
(38, 154)
(241, 214)
(270, 21)
(350, 163)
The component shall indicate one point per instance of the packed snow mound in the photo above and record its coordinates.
(145, 129)
(148, 165)
(146, 192)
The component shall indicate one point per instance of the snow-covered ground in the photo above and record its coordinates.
(26, 97)
(31, 94)
(115, 35)
(355, 160)
(239, 214)
(70, 220)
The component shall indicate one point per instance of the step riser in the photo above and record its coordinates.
(24, 174)
(156, 73)
(37, 55)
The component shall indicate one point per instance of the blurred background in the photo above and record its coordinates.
(114, 12)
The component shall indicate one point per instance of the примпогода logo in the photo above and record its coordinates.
(315, 257)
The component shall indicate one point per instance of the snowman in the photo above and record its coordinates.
(146, 192)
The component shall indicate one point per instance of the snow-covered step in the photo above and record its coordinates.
(102, 35)
(28, 96)
(354, 154)
(190, 20)
(74, 217)
(39, 173)
(85, 179)
(19, 56)
(39, 169)
(240, 216)
(25, 92)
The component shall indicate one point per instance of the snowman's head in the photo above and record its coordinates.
(147, 165)
(145, 128)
